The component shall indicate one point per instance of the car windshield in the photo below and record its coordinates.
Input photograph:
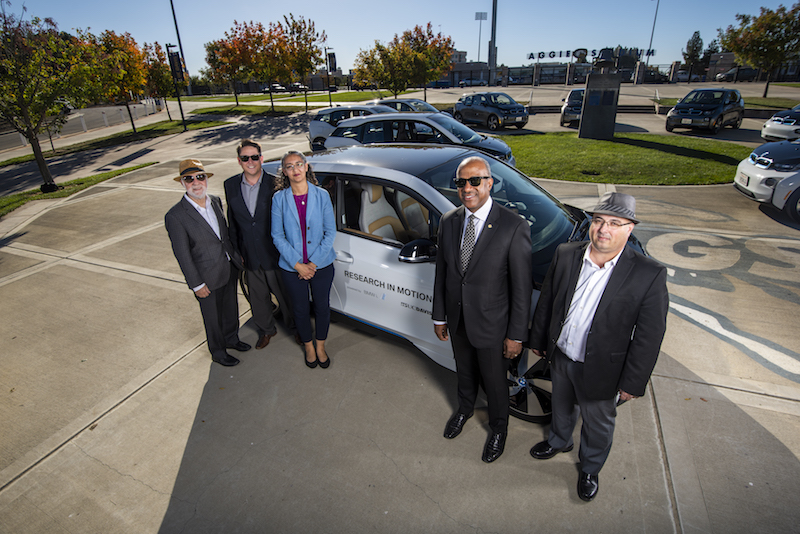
(422, 106)
(703, 97)
(550, 222)
(465, 134)
(575, 96)
(501, 99)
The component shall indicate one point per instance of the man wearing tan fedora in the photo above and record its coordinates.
(200, 241)
(600, 320)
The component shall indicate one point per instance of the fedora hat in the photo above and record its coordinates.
(190, 166)
(618, 205)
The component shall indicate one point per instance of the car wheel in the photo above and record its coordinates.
(715, 129)
(738, 123)
(670, 127)
(792, 206)
(318, 144)
(493, 123)
(530, 390)
(458, 117)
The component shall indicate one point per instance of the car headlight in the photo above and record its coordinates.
(786, 167)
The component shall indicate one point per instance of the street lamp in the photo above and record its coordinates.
(328, 71)
(480, 16)
(180, 46)
(176, 66)
(651, 36)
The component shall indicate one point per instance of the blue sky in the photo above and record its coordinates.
(352, 25)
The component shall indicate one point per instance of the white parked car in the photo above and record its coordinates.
(324, 121)
(388, 201)
(771, 174)
(406, 105)
(783, 125)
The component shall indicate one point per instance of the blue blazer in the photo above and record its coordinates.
(320, 228)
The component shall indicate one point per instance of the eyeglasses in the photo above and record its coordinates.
(599, 222)
(294, 166)
(474, 181)
(255, 157)
(198, 177)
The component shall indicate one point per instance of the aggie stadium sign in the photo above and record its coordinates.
(581, 53)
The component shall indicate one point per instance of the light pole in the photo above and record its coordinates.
(647, 63)
(328, 71)
(480, 16)
(176, 66)
(180, 47)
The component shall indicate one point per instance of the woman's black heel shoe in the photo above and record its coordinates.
(313, 364)
(324, 364)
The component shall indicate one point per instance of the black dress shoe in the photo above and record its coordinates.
(241, 346)
(297, 339)
(455, 425)
(543, 450)
(587, 486)
(227, 360)
(494, 447)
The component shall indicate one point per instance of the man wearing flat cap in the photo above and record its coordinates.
(600, 320)
(200, 241)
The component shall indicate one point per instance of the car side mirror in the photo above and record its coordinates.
(418, 251)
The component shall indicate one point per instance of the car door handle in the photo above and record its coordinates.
(343, 257)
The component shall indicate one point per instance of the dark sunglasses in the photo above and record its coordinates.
(190, 179)
(474, 181)
(251, 158)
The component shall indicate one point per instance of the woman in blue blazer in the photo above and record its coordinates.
(303, 230)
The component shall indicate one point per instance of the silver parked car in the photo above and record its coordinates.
(783, 125)
(573, 104)
(405, 105)
(324, 122)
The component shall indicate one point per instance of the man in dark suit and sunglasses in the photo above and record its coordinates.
(482, 297)
(200, 241)
(249, 199)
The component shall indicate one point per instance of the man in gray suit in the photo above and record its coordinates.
(482, 296)
(200, 241)
(600, 320)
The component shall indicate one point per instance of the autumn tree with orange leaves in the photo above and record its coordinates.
(765, 41)
(303, 48)
(158, 76)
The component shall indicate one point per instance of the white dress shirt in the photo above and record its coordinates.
(592, 283)
(210, 217)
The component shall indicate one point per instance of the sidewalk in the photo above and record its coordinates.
(115, 420)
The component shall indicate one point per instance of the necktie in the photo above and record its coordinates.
(468, 244)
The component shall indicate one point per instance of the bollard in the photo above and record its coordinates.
(105, 119)
(135, 113)
(121, 115)
(83, 124)
(22, 138)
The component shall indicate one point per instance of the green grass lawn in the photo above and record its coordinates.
(645, 159)
(11, 202)
(265, 111)
(143, 132)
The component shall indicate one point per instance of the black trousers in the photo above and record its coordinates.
(297, 289)
(221, 316)
(475, 365)
(261, 283)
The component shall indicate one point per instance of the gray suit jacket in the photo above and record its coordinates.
(200, 253)
(494, 294)
(627, 328)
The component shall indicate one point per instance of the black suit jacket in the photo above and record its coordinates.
(251, 234)
(628, 326)
(200, 253)
(494, 294)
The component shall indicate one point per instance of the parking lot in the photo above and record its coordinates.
(116, 421)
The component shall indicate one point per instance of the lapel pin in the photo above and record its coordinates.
(490, 226)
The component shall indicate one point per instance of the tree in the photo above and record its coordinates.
(691, 56)
(120, 72)
(159, 83)
(765, 41)
(303, 48)
(711, 49)
(227, 64)
(430, 55)
(39, 69)
(264, 52)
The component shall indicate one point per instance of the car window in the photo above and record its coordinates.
(422, 106)
(381, 212)
(468, 101)
(350, 132)
(339, 115)
(704, 97)
(401, 131)
(424, 133)
(465, 134)
(373, 132)
(501, 98)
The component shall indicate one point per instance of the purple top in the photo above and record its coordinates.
(300, 202)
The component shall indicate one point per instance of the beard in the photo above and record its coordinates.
(195, 196)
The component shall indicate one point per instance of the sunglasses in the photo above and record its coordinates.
(198, 177)
(244, 159)
(474, 181)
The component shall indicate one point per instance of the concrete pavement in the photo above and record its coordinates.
(115, 420)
